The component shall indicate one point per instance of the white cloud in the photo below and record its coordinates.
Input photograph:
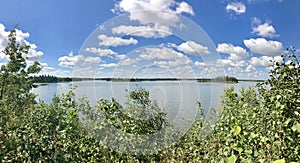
(162, 57)
(180, 62)
(264, 47)
(43, 64)
(149, 31)
(163, 12)
(3, 41)
(264, 60)
(70, 61)
(183, 7)
(101, 52)
(231, 63)
(162, 64)
(161, 53)
(253, 1)
(115, 41)
(250, 68)
(108, 65)
(46, 69)
(33, 54)
(200, 64)
(225, 62)
(121, 56)
(242, 63)
(237, 7)
(193, 48)
(255, 21)
(236, 52)
(265, 30)
(129, 61)
(3, 56)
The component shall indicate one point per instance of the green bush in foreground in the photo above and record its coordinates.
(252, 126)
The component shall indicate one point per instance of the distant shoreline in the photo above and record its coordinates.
(51, 79)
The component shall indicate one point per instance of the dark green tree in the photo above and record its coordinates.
(15, 82)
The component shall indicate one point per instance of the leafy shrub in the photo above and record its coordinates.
(15, 84)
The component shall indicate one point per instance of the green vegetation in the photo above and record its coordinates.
(222, 79)
(15, 84)
(49, 79)
(252, 126)
(226, 79)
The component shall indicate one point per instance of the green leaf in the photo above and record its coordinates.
(287, 122)
(296, 127)
(248, 151)
(279, 161)
(237, 130)
(232, 159)
(278, 97)
(264, 139)
(252, 135)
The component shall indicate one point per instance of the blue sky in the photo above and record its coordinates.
(155, 38)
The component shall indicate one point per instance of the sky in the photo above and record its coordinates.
(153, 38)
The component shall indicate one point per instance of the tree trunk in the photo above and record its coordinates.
(3, 86)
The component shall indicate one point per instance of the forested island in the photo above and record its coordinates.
(221, 79)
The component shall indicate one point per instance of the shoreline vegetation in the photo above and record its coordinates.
(54, 79)
(247, 126)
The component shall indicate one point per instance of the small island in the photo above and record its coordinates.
(220, 79)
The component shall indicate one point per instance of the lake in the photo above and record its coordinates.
(177, 98)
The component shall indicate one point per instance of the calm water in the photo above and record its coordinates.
(178, 98)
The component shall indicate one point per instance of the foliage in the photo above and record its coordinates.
(282, 99)
(54, 79)
(252, 126)
(227, 79)
(14, 75)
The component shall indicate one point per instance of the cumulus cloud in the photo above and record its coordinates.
(115, 41)
(250, 68)
(184, 7)
(264, 60)
(225, 62)
(265, 30)
(33, 54)
(71, 60)
(129, 61)
(236, 52)
(237, 7)
(101, 52)
(121, 56)
(193, 48)
(161, 53)
(163, 12)
(264, 47)
(231, 63)
(108, 65)
(163, 57)
(200, 64)
(148, 31)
